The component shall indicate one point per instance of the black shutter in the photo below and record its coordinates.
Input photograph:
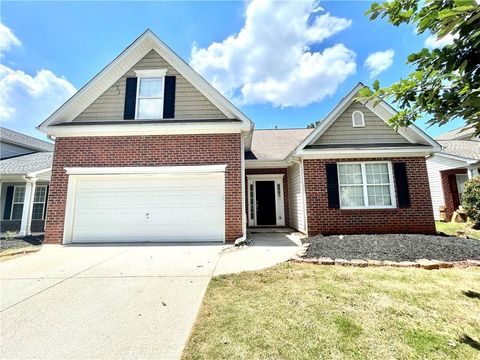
(332, 186)
(401, 183)
(45, 205)
(169, 98)
(8, 203)
(130, 99)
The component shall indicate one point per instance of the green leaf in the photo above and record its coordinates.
(376, 85)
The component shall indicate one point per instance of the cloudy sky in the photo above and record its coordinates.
(284, 64)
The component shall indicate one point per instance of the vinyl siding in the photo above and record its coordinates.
(435, 164)
(297, 215)
(8, 150)
(375, 130)
(189, 102)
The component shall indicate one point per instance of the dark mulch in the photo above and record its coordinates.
(394, 247)
(21, 242)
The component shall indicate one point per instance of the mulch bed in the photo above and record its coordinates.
(28, 241)
(393, 247)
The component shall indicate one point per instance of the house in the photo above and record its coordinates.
(148, 150)
(450, 169)
(25, 169)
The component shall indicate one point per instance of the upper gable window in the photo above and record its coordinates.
(150, 94)
(357, 119)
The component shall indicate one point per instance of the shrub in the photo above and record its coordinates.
(10, 235)
(471, 200)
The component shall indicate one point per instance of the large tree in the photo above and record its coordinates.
(445, 81)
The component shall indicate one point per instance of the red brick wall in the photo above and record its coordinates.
(324, 220)
(447, 194)
(157, 150)
(285, 187)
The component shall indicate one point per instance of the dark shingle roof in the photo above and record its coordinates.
(24, 140)
(24, 164)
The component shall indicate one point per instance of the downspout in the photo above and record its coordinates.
(243, 238)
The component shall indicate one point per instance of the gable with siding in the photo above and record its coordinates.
(375, 131)
(190, 103)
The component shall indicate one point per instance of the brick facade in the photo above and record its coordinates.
(447, 192)
(323, 220)
(155, 150)
(274, 171)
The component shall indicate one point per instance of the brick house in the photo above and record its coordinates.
(150, 151)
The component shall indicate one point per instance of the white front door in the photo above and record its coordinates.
(155, 208)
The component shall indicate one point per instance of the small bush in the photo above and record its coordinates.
(10, 235)
(471, 200)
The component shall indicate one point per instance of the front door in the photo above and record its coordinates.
(266, 207)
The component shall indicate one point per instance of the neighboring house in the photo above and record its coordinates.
(451, 168)
(25, 169)
(150, 151)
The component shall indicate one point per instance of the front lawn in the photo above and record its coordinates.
(302, 311)
(452, 228)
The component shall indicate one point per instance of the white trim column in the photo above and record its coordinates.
(26, 224)
(472, 172)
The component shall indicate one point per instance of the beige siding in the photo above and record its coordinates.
(189, 102)
(375, 130)
(297, 216)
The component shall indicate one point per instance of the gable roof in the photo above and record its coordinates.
(460, 133)
(275, 145)
(25, 164)
(121, 64)
(23, 140)
(383, 110)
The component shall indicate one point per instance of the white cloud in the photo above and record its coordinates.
(433, 42)
(379, 61)
(270, 60)
(7, 39)
(26, 100)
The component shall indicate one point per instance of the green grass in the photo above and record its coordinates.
(452, 228)
(301, 311)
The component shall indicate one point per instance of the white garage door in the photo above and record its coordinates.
(156, 208)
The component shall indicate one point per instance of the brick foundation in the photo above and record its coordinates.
(274, 171)
(156, 150)
(323, 220)
(447, 193)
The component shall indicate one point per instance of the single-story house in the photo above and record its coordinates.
(451, 168)
(25, 169)
(148, 150)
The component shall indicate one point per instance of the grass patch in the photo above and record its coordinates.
(300, 311)
(452, 228)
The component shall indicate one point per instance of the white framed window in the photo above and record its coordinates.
(39, 199)
(150, 94)
(17, 202)
(366, 185)
(358, 120)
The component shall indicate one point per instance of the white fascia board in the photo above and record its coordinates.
(468, 161)
(362, 153)
(35, 173)
(121, 64)
(154, 170)
(144, 129)
(258, 164)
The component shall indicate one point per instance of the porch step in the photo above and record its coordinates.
(258, 230)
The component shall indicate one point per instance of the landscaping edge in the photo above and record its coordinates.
(419, 263)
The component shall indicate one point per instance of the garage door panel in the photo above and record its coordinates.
(154, 208)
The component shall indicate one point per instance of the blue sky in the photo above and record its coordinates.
(49, 49)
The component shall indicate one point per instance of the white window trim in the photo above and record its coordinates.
(40, 202)
(364, 185)
(16, 203)
(363, 119)
(279, 198)
(149, 74)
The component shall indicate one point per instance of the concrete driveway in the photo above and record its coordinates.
(103, 302)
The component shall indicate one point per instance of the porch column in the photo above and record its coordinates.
(472, 172)
(25, 226)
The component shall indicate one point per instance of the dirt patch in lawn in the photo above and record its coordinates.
(393, 247)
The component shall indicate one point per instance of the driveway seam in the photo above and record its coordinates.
(62, 281)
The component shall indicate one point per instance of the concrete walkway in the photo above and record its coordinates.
(115, 302)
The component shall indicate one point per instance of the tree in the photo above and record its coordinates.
(445, 83)
(471, 200)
